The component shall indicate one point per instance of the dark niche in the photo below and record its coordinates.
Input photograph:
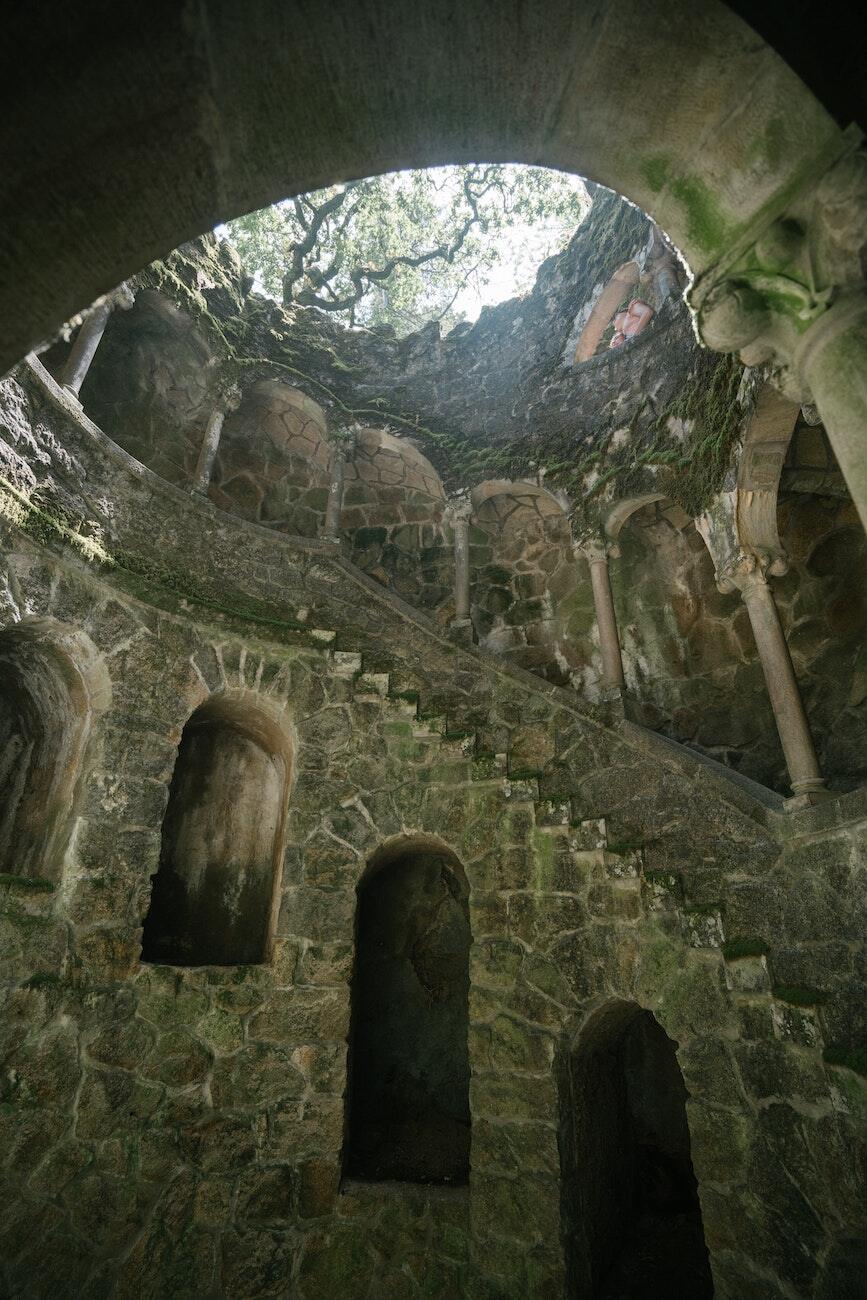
(408, 1112)
(213, 897)
(631, 1215)
(45, 710)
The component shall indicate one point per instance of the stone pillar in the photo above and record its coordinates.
(334, 505)
(791, 295)
(458, 513)
(228, 401)
(596, 554)
(89, 337)
(747, 577)
(804, 774)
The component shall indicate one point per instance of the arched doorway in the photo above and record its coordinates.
(215, 892)
(631, 1215)
(408, 1102)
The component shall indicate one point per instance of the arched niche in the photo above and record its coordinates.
(53, 687)
(272, 462)
(215, 894)
(631, 1216)
(151, 384)
(525, 575)
(688, 649)
(408, 1099)
(393, 502)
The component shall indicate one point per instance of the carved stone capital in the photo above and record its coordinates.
(764, 298)
(231, 398)
(595, 550)
(459, 510)
(343, 438)
(122, 298)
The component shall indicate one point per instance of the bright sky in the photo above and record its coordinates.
(521, 249)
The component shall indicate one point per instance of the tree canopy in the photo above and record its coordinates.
(408, 247)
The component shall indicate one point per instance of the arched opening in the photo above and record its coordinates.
(51, 686)
(525, 581)
(369, 96)
(408, 1100)
(631, 1216)
(272, 465)
(214, 895)
(393, 501)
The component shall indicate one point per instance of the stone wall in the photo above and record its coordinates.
(171, 1130)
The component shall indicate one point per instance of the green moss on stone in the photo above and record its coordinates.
(798, 995)
(42, 980)
(27, 884)
(710, 408)
(853, 1058)
(744, 946)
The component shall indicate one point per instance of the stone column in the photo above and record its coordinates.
(458, 513)
(334, 505)
(228, 401)
(596, 554)
(791, 295)
(747, 577)
(89, 337)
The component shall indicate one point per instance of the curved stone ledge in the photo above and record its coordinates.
(159, 524)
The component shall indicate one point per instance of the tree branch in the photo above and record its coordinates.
(301, 250)
(363, 277)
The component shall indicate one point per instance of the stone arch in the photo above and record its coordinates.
(151, 384)
(688, 650)
(408, 1093)
(216, 890)
(602, 312)
(629, 1195)
(371, 96)
(393, 503)
(272, 465)
(523, 576)
(53, 686)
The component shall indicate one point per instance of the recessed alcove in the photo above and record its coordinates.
(52, 684)
(214, 895)
(631, 1216)
(408, 1101)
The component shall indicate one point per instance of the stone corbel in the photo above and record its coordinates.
(791, 295)
(760, 465)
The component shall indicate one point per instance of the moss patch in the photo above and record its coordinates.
(744, 946)
(799, 995)
(854, 1058)
(27, 884)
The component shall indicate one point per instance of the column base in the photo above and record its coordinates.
(614, 701)
(461, 631)
(71, 393)
(807, 798)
